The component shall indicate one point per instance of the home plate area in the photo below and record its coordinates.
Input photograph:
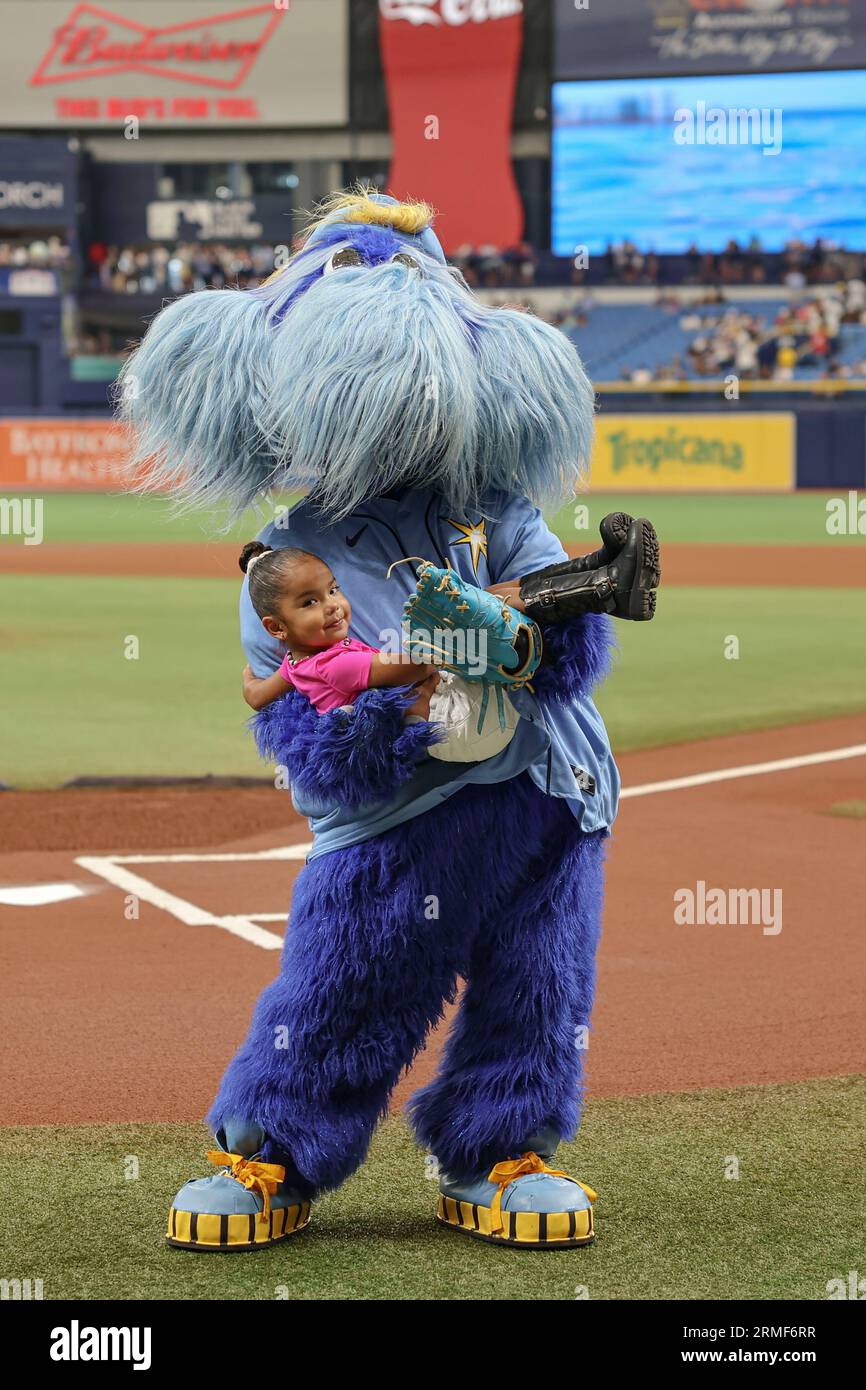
(234, 892)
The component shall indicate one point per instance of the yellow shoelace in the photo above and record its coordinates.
(505, 1173)
(260, 1177)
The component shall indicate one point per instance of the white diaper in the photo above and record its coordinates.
(460, 706)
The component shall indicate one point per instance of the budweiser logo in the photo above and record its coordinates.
(216, 52)
(449, 11)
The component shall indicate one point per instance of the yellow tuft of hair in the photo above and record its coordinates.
(356, 205)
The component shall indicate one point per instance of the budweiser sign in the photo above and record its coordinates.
(449, 11)
(215, 52)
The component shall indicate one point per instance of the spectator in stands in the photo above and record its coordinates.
(854, 301)
(746, 356)
(521, 262)
(50, 252)
(786, 360)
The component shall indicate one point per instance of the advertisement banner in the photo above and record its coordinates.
(677, 453)
(181, 63)
(28, 281)
(203, 219)
(649, 38)
(61, 455)
(451, 70)
(695, 453)
(38, 182)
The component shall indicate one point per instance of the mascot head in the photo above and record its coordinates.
(363, 365)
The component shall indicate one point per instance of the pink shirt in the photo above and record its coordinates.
(332, 677)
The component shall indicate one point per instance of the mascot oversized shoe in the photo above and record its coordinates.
(521, 1202)
(247, 1206)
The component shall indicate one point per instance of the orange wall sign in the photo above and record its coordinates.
(68, 455)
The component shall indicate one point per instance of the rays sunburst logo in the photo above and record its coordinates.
(475, 536)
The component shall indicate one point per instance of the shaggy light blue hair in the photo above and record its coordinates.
(351, 381)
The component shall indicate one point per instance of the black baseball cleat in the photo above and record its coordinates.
(623, 586)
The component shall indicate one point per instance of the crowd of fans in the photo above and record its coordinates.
(191, 265)
(194, 265)
(764, 347)
(199, 265)
(804, 333)
(49, 253)
(798, 264)
(486, 267)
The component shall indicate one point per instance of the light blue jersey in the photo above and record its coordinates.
(565, 748)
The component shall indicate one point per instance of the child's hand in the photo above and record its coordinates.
(259, 692)
(397, 668)
(425, 689)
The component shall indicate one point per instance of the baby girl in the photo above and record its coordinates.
(301, 604)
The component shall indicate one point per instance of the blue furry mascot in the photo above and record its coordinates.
(418, 422)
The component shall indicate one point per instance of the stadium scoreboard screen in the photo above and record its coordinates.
(678, 38)
(714, 119)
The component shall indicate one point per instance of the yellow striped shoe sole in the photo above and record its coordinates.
(199, 1230)
(539, 1230)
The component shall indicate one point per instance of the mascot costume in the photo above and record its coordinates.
(420, 423)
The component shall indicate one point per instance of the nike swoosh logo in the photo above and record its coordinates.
(353, 540)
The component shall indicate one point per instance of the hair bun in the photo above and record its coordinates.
(251, 551)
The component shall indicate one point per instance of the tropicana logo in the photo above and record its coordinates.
(452, 12)
(96, 43)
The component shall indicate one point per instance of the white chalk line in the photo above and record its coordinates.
(120, 877)
(728, 774)
(111, 867)
(284, 852)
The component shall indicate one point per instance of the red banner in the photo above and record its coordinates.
(451, 70)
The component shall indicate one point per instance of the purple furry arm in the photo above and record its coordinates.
(577, 655)
(352, 759)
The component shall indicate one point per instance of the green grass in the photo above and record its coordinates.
(71, 518)
(795, 518)
(670, 1224)
(790, 518)
(798, 660)
(79, 707)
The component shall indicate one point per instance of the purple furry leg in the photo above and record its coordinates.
(365, 973)
(512, 1065)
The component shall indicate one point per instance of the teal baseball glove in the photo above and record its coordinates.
(454, 624)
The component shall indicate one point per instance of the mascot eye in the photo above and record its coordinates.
(340, 259)
(403, 258)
